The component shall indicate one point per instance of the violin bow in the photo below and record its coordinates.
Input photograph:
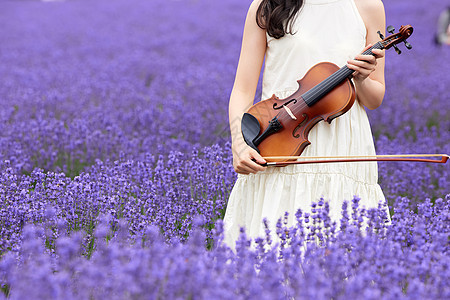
(293, 160)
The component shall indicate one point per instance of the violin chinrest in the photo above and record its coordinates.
(250, 129)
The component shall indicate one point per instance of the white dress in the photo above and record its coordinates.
(325, 30)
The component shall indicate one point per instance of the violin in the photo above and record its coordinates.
(279, 127)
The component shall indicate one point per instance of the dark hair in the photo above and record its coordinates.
(276, 16)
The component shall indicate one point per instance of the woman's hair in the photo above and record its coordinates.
(276, 16)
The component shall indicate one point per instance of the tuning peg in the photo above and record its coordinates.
(380, 34)
(390, 29)
(397, 50)
(407, 45)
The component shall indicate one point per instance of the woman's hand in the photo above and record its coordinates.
(246, 160)
(369, 75)
(364, 65)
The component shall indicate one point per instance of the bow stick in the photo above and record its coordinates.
(292, 160)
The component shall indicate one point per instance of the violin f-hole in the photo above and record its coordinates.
(306, 118)
(275, 105)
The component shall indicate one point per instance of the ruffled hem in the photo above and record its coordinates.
(258, 196)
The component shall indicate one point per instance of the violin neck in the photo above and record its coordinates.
(319, 91)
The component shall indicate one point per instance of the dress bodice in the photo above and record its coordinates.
(324, 30)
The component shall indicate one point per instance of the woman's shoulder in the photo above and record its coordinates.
(254, 6)
(373, 4)
(372, 12)
(370, 8)
(253, 9)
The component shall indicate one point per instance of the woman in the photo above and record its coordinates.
(291, 36)
(442, 36)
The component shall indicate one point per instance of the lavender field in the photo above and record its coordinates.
(115, 163)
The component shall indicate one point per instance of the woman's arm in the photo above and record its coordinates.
(369, 75)
(249, 67)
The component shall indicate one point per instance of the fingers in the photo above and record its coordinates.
(252, 167)
(252, 163)
(363, 68)
(360, 64)
(364, 65)
(259, 159)
(378, 53)
(249, 161)
(247, 166)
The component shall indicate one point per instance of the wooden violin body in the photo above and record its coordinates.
(292, 138)
(280, 127)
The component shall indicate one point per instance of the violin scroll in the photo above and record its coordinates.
(404, 32)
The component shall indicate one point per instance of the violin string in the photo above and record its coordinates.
(303, 104)
(332, 80)
(328, 83)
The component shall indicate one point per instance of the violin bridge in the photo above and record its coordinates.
(288, 110)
